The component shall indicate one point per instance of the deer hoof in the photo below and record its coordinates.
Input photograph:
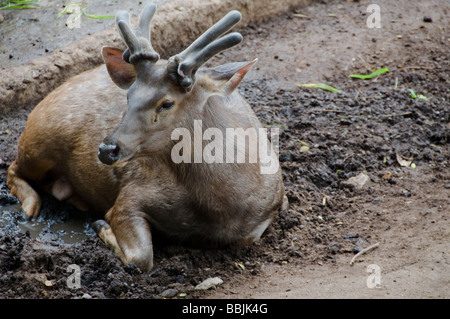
(32, 207)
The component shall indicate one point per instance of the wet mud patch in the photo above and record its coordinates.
(326, 139)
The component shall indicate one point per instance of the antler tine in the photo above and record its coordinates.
(205, 47)
(222, 26)
(137, 40)
(203, 55)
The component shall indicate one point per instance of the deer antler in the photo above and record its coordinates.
(205, 47)
(137, 40)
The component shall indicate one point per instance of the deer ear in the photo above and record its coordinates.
(229, 75)
(122, 73)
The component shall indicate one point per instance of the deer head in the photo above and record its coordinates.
(163, 95)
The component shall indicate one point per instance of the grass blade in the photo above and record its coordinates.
(413, 94)
(320, 86)
(70, 8)
(10, 7)
(94, 16)
(369, 76)
(417, 96)
(21, 1)
(18, 4)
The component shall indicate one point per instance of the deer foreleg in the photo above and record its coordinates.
(128, 234)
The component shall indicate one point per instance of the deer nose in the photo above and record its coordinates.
(108, 153)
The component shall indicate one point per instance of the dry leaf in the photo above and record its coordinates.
(239, 265)
(387, 176)
(304, 148)
(403, 162)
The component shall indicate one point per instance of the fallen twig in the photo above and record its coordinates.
(299, 15)
(363, 252)
(395, 114)
(416, 67)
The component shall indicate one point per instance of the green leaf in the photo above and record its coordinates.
(303, 142)
(10, 7)
(369, 76)
(18, 4)
(304, 149)
(20, 1)
(413, 94)
(69, 10)
(422, 97)
(320, 86)
(417, 96)
(94, 16)
(277, 124)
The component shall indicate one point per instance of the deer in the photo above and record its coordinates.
(103, 142)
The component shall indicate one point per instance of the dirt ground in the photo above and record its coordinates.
(370, 129)
(29, 34)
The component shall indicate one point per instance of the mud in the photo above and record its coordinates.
(326, 138)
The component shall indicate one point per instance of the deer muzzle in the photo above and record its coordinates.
(108, 153)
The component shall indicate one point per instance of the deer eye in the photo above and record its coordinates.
(165, 106)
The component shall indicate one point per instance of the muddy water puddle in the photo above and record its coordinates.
(68, 229)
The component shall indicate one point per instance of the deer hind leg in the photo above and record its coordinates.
(128, 236)
(62, 190)
(31, 202)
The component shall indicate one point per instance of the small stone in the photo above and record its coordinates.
(406, 193)
(351, 235)
(169, 293)
(427, 19)
(117, 287)
(357, 182)
(286, 157)
(334, 248)
(209, 283)
(357, 249)
(98, 294)
(86, 296)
